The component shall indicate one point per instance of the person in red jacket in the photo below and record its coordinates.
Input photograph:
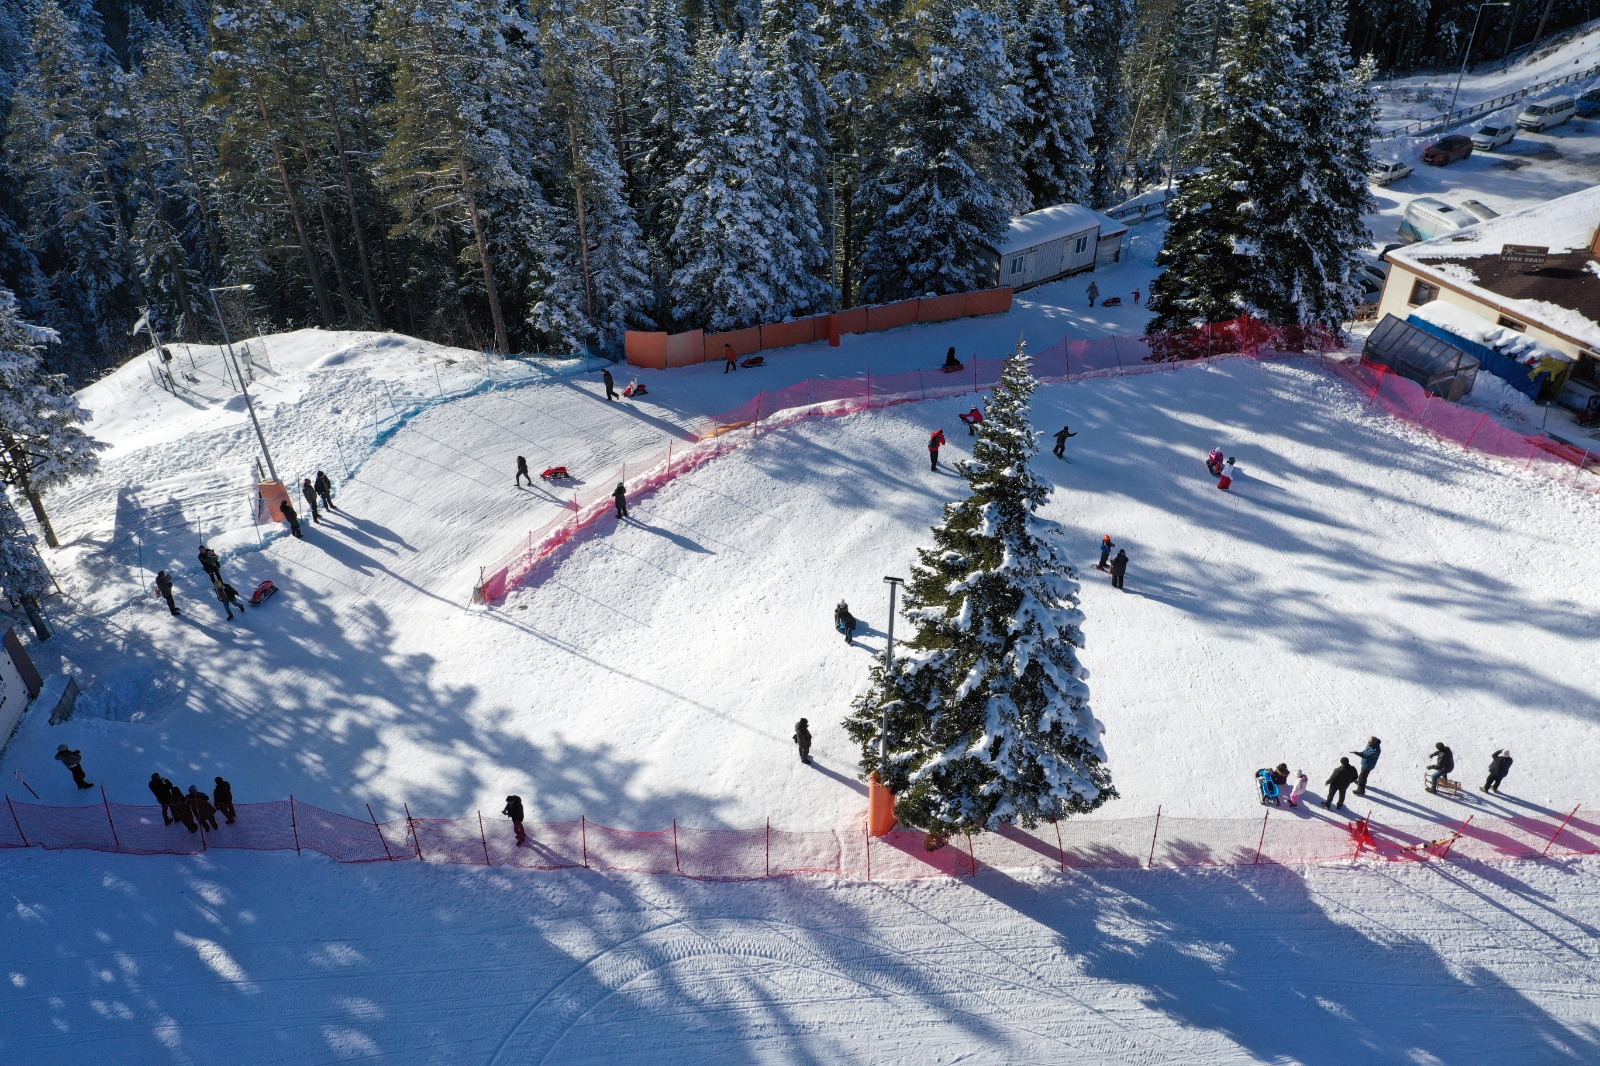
(732, 360)
(935, 442)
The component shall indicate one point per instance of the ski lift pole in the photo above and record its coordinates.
(894, 584)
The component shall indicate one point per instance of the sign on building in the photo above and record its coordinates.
(1532, 255)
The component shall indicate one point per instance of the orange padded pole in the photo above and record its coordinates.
(880, 807)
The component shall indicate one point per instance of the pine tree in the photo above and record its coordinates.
(1054, 129)
(853, 62)
(23, 576)
(1104, 30)
(41, 442)
(989, 718)
(668, 107)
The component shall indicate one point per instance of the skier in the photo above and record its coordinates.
(309, 491)
(204, 813)
(802, 740)
(161, 787)
(1061, 441)
(935, 442)
(1369, 760)
(611, 394)
(1136, 295)
(164, 586)
(732, 360)
(1499, 767)
(222, 798)
(1338, 782)
(230, 598)
(1214, 462)
(951, 363)
(73, 760)
(210, 563)
(513, 810)
(1106, 544)
(971, 419)
(620, 494)
(1444, 761)
(845, 622)
(1300, 782)
(1094, 293)
(522, 472)
(292, 517)
(325, 490)
(1119, 569)
(1228, 472)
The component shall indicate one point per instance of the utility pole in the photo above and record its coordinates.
(249, 405)
(1466, 56)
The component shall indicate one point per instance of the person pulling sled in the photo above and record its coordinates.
(845, 622)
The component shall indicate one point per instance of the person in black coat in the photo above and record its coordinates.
(522, 472)
(211, 563)
(229, 596)
(222, 798)
(1499, 767)
(309, 492)
(845, 622)
(164, 586)
(1339, 783)
(181, 809)
(1119, 569)
(291, 516)
(611, 384)
(161, 788)
(802, 740)
(1444, 761)
(200, 804)
(513, 810)
(620, 495)
(1061, 441)
(325, 490)
(73, 760)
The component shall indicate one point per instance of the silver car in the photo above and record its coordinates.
(1493, 136)
(1383, 173)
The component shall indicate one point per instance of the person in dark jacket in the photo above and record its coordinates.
(1280, 775)
(620, 495)
(164, 586)
(211, 563)
(222, 798)
(309, 492)
(181, 810)
(1061, 441)
(291, 516)
(802, 740)
(1119, 569)
(513, 810)
(951, 363)
(522, 472)
(73, 760)
(1338, 782)
(161, 788)
(935, 442)
(1369, 760)
(200, 804)
(611, 393)
(1444, 760)
(1106, 544)
(1499, 767)
(845, 622)
(1094, 293)
(229, 596)
(325, 489)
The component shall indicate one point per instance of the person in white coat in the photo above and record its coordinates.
(1299, 788)
(1227, 475)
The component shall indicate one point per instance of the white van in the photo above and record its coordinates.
(1479, 210)
(1547, 113)
(1427, 218)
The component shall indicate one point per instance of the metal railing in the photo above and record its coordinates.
(1421, 127)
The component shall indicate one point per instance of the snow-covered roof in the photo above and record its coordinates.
(1052, 223)
(1508, 342)
(1564, 224)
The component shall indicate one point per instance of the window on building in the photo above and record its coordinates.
(1511, 323)
(1422, 292)
(1083, 242)
(1588, 368)
(1016, 264)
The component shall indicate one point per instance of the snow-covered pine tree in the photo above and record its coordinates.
(1054, 130)
(989, 718)
(23, 576)
(42, 442)
(857, 52)
(668, 107)
(1105, 29)
(941, 181)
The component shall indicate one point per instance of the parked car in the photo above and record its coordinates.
(1383, 173)
(1447, 150)
(1547, 113)
(1494, 136)
(1588, 105)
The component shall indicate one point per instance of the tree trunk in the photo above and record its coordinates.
(320, 290)
(501, 342)
(349, 191)
(37, 502)
(583, 228)
(41, 628)
(213, 242)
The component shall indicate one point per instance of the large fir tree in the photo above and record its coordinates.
(1054, 129)
(989, 718)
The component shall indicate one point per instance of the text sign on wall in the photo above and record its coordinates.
(1523, 254)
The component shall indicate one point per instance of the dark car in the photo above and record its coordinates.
(1447, 150)
(1589, 104)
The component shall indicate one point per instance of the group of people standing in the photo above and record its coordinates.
(311, 490)
(1346, 774)
(194, 809)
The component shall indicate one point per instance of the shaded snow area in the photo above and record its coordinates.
(278, 960)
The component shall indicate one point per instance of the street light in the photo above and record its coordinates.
(249, 405)
(1467, 55)
(894, 584)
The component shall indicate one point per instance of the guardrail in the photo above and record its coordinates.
(1422, 127)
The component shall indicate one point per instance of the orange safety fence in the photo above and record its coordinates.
(686, 349)
(892, 316)
(1300, 837)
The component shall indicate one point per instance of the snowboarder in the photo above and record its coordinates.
(971, 420)
(1444, 760)
(732, 361)
(1214, 462)
(1338, 782)
(522, 472)
(73, 760)
(845, 622)
(802, 740)
(292, 517)
(951, 363)
(210, 563)
(164, 586)
(1094, 293)
(1228, 472)
(309, 491)
(1300, 782)
(229, 596)
(1061, 441)
(1106, 544)
(222, 798)
(1499, 767)
(1369, 760)
(611, 394)
(161, 788)
(1136, 295)
(935, 442)
(325, 490)
(513, 810)
(620, 494)
(200, 804)
(1119, 569)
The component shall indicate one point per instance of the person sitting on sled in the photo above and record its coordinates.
(951, 363)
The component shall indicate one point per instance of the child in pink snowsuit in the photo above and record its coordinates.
(1299, 788)
(1214, 462)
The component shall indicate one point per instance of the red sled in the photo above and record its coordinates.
(635, 388)
(263, 593)
(555, 473)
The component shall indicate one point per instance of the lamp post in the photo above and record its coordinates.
(1466, 56)
(894, 584)
(249, 405)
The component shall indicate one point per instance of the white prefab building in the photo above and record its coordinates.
(1054, 242)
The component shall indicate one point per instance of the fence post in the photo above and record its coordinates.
(1445, 854)
(379, 831)
(107, 804)
(411, 823)
(769, 847)
(1475, 429)
(584, 823)
(1151, 861)
(18, 822)
(485, 838)
(669, 459)
(1547, 843)
(294, 825)
(676, 860)
(1263, 841)
(1061, 848)
(865, 828)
